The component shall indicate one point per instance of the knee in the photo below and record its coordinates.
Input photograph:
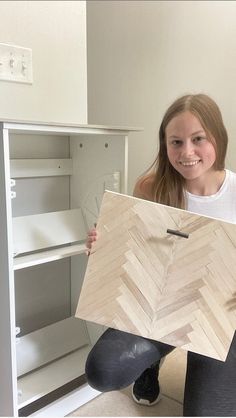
(107, 367)
(102, 373)
(118, 359)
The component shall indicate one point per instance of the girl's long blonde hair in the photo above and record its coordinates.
(169, 186)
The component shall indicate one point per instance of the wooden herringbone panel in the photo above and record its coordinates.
(144, 280)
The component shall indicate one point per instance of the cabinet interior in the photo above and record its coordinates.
(57, 184)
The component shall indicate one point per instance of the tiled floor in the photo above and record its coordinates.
(120, 403)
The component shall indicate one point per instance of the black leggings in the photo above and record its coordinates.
(210, 387)
(119, 358)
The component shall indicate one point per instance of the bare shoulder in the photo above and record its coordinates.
(144, 187)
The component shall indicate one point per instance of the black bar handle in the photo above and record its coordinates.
(178, 233)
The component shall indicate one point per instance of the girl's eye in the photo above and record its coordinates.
(176, 142)
(198, 138)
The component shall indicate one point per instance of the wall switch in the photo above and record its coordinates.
(16, 63)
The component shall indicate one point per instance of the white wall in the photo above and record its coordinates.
(56, 32)
(144, 54)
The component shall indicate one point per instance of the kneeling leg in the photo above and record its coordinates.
(119, 358)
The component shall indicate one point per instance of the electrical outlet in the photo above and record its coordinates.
(16, 63)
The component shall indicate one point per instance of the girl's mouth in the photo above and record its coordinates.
(189, 163)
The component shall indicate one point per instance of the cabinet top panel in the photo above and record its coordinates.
(71, 129)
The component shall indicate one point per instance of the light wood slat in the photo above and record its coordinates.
(142, 280)
(35, 232)
(22, 168)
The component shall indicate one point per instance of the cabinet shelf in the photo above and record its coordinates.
(39, 383)
(24, 168)
(41, 347)
(48, 230)
(48, 256)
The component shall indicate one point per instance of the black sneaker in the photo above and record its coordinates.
(146, 389)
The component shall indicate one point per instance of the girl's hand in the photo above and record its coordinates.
(91, 237)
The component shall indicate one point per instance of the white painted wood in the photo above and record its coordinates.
(42, 291)
(43, 257)
(69, 403)
(32, 233)
(52, 376)
(8, 391)
(95, 331)
(73, 129)
(107, 161)
(79, 264)
(38, 146)
(22, 168)
(47, 344)
(89, 181)
(43, 295)
(107, 155)
(42, 194)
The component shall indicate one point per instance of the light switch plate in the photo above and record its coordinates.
(16, 63)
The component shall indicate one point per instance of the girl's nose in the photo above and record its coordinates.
(188, 149)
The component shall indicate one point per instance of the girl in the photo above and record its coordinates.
(188, 173)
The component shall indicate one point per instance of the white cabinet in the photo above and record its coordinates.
(51, 185)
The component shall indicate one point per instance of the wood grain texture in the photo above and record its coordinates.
(145, 281)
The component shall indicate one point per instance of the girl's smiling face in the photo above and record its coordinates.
(188, 149)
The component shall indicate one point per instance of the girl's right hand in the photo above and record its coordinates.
(91, 237)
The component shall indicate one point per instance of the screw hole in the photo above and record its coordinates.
(81, 145)
(106, 145)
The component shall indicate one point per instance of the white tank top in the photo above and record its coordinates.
(221, 205)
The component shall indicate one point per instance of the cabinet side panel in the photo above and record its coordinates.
(99, 163)
(8, 385)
